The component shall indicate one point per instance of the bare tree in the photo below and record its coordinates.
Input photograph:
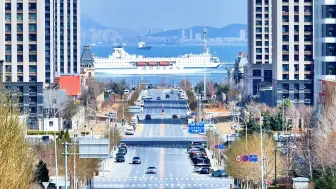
(16, 158)
(250, 172)
(185, 85)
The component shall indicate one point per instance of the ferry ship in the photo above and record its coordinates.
(144, 46)
(120, 62)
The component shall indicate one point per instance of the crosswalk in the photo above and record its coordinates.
(159, 179)
(186, 185)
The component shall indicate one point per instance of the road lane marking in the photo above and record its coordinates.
(130, 165)
(161, 162)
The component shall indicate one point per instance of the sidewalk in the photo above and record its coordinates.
(107, 164)
(214, 163)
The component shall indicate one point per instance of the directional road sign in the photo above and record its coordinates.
(219, 146)
(253, 158)
(196, 128)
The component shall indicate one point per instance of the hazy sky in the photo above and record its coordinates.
(165, 13)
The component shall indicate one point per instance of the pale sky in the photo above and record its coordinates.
(168, 14)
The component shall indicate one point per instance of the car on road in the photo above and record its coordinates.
(198, 167)
(142, 103)
(122, 151)
(205, 170)
(129, 131)
(148, 116)
(174, 116)
(158, 98)
(172, 92)
(167, 96)
(201, 160)
(123, 147)
(196, 149)
(136, 160)
(120, 158)
(195, 143)
(183, 117)
(151, 170)
(219, 173)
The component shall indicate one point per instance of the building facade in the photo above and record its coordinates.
(325, 44)
(293, 66)
(39, 38)
(259, 45)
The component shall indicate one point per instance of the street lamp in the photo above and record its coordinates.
(57, 186)
(261, 146)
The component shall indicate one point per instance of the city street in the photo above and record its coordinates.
(150, 143)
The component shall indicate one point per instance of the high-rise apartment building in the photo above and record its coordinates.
(242, 34)
(38, 38)
(183, 35)
(293, 65)
(191, 37)
(325, 44)
(258, 71)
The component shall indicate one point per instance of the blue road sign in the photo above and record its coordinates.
(196, 128)
(253, 158)
(194, 113)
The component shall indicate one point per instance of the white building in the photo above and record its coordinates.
(198, 36)
(325, 43)
(293, 67)
(191, 34)
(242, 34)
(183, 35)
(259, 68)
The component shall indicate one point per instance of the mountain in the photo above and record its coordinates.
(231, 30)
(93, 32)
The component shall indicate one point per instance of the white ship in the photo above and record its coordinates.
(120, 62)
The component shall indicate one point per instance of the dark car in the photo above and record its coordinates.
(158, 98)
(120, 158)
(122, 151)
(175, 116)
(167, 96)
(148, 116)
(205, 170)
(198, 156)
(122, 148)
(201, 160)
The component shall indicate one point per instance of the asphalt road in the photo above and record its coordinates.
(174, 168)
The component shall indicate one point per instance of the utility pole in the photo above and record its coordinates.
(66, 164)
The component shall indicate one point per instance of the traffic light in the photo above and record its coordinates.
(122, 122)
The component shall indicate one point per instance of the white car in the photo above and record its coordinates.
(142, 103)
(151, 170)
(129, 131)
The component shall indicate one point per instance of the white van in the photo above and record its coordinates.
(182, 96)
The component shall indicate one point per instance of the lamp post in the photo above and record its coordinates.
(261, 146)
(245, 129)
(56, 165)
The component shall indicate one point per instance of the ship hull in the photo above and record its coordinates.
(145, 48)
(152, 71)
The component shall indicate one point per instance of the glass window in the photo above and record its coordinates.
(19, 16)
(19, 37)
(32, 68)
(32, 6)
(8, 48)
(20, 58)
(32, 47)
(32, 58)
(32, 37)
(8, 68)
(8, 37)
(8, 28)
(19, 6)
(20, 48)
(20, 68)
(256, 72)
(8, 58)
(8, 6)
(32, 16)
(32, 27)
(8, 16)
(20, 27)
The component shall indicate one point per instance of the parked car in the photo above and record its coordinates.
(183, 117)
(136, 160)
(198, 167)
(219, 173)
(148, 116)
(205, 170)
(201, 160)
(158, 98)
(122, 145)
(120, 158)
(167, 96)
(151, 170)
(129, 131)
(174, 116)
(123, 148)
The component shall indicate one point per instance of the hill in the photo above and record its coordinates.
(231, 30)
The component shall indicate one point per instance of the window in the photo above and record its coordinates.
(32, 48)
(20, 58)
(256, 72)
(20, 48)
(19, 6)
(20, 27)
(19, 37)
(296, 86)
(296, 57)
(32, 58)
(32, 16)
(8, 48)
(258, 50)
(268, 76)
(285, 48)
(285, 67)
(8, 28)
(8, 58)
(32, 6)
(8, 68)
(51, 124)
(19, 16)
(32, 78)
(296, 67)
(285, 38)
(285, 76)
(285, 57)
(8, 17)
(296, 18)
(20, 68)
(32, 27)
(255, 85)
(8, 7)
(32, 37)
(32, 69)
